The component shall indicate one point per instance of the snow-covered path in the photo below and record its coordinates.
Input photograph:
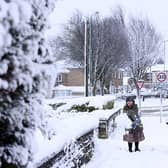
(113, 152)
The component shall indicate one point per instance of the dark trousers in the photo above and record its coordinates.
(136, 146)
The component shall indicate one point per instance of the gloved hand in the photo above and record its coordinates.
(136, 123)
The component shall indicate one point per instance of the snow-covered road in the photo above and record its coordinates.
(113, 152)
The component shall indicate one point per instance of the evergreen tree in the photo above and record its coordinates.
(24, 60)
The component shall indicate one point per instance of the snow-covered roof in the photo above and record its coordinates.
(64, 66)
(158, 67)
(61, 67)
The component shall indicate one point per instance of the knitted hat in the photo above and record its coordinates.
(130, 98)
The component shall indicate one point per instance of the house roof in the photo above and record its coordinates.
(64, 66)
(158, 67)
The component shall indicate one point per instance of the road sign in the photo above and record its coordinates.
(140, 83)
(161, 76)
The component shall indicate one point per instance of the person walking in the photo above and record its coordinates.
(135, 133)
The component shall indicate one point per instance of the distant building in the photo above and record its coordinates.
(74, 77)
(72, 82)
(151, 77)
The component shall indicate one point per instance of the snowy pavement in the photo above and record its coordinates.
(113, 152)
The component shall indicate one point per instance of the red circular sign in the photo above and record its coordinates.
(161, 77)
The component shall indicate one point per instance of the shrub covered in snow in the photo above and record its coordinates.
(109, 105)
(24, 59)
(82, 108)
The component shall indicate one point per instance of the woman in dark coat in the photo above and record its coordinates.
(136, 132)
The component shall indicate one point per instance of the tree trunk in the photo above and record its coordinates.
(102, 89)
(94, 90)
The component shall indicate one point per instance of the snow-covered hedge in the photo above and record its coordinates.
(82, 104)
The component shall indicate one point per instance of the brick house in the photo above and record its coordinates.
(75, 77)
(70, 83)
(73, 82)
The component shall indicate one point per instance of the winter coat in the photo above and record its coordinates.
(135, 134)
(132, 112)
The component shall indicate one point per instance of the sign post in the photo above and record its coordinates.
(139, 84)
(161, 77)
(161, 105)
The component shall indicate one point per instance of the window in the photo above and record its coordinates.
(148, 76)
(59, 78)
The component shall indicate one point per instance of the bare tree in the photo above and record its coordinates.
(144, 44)
(56, 48)
(116, 50)
(108, 44)
(72, 40)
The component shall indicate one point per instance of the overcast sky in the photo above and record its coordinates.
(155, 10)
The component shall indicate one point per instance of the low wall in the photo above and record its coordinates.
(75, 154)
(78, 152)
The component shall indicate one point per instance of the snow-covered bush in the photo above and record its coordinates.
(24, 60)
(109, 105)
(82, 108)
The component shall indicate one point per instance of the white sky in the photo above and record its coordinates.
(155, 10)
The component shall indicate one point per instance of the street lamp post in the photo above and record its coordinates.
(90, 57)
(86, 59)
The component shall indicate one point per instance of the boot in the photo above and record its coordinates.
(137, 147)
(130, 146)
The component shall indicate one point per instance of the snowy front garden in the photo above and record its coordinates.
(65, 126)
